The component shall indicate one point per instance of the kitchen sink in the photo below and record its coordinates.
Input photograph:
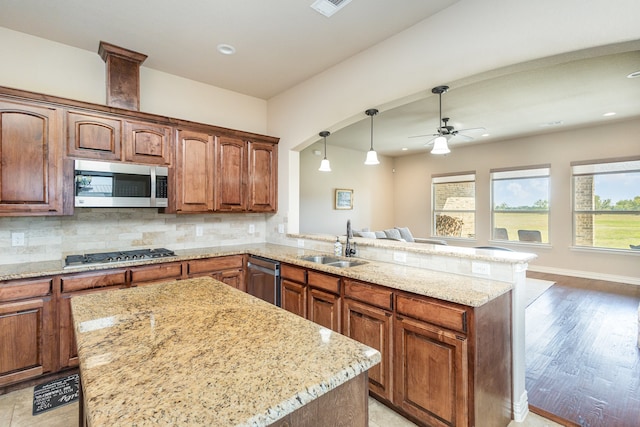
(332, 261)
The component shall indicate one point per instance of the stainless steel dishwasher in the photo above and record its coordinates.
(263, 279)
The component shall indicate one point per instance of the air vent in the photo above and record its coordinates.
(329, 7)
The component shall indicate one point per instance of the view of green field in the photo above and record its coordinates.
(611, 230)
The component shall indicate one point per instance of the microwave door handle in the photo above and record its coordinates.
(153, 186)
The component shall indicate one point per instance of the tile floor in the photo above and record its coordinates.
(16, 409)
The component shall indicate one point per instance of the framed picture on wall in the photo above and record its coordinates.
(344, 198)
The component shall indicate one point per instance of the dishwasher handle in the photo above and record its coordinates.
(269, 271)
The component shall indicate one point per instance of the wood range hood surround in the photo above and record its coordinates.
(122, 76)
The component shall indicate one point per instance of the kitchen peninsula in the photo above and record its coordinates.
(198, 352)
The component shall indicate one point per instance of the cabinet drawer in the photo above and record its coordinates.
(94, 280)
(294, 273)
(208, 265)
(370, 294)
(156, 272)
(432, 312)
(324, 281)
(22, 289)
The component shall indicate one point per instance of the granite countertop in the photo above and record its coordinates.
(198, 352)
(465, 290)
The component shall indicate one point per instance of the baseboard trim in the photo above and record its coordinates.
(586, 274)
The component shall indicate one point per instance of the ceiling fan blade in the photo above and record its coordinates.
(422, 136)
(470, 129)
(431, 140)
(467, 137)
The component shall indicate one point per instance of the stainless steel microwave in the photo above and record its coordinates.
(112, 185)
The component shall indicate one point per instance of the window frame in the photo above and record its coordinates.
(594, 168)
(459, 177)
(515, 173)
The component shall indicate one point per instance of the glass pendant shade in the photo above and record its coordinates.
(325, 166)
(440, 146)
(372, 158)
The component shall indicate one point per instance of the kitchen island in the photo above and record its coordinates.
(198, 352)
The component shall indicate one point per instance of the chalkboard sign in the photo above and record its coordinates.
(55, 393)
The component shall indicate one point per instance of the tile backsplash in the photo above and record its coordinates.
(106, 229)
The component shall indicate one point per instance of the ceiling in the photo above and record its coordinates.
(278, 43)
(554, 94)
(282, 43)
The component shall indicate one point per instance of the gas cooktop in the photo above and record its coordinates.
(118, 256)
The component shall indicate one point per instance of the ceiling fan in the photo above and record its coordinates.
(444, 132)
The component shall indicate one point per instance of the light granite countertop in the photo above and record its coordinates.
(465, 290)
(198, 352)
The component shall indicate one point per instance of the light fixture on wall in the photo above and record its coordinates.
(324, 164)
(372, 156)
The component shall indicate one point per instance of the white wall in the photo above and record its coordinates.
(39, 65)
(372, 191)
(619, 139)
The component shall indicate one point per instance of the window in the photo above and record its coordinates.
(520, 204)
(606, 204)
(454, 205)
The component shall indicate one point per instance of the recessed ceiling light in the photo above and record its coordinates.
(404, 148)
(634, 75)
(609, 114)
(226, 49)
(485, 134)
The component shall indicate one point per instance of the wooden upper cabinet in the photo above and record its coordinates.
(263, 177)
(194, 172)
(31, 161)
(231, 174)
(147, 143)
(93, 136)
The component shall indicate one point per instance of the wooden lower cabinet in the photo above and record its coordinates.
(156, 273)
(227, 269)
(27, 322)
(325, 309)
(294, 297)
(431, 373)
(372, 326)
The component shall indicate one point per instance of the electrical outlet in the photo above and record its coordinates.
(17, 239)
(400, 256)
(252, 228)
(199, 231)
(281, 228)
(300, 243)
(480, 268)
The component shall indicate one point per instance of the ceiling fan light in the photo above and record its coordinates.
(325, 166)
(440, 146)
(372, 158)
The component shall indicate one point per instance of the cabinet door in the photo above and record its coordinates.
(294, 297)
(31, 168)
(263, 177)
(231, 174)
(430, 373)
(372, 326)
(26, 339)
(233, 278)
(93, 136)
(324, 309)
(194, 172)
(147, 143)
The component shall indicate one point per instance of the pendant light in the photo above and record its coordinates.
(324, 164)
(440, 143)
(372, 156)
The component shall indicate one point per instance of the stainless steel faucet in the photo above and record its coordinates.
(348, 250)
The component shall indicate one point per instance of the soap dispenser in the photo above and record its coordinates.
(337, 247)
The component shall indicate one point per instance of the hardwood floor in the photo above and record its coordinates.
(583, 363)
